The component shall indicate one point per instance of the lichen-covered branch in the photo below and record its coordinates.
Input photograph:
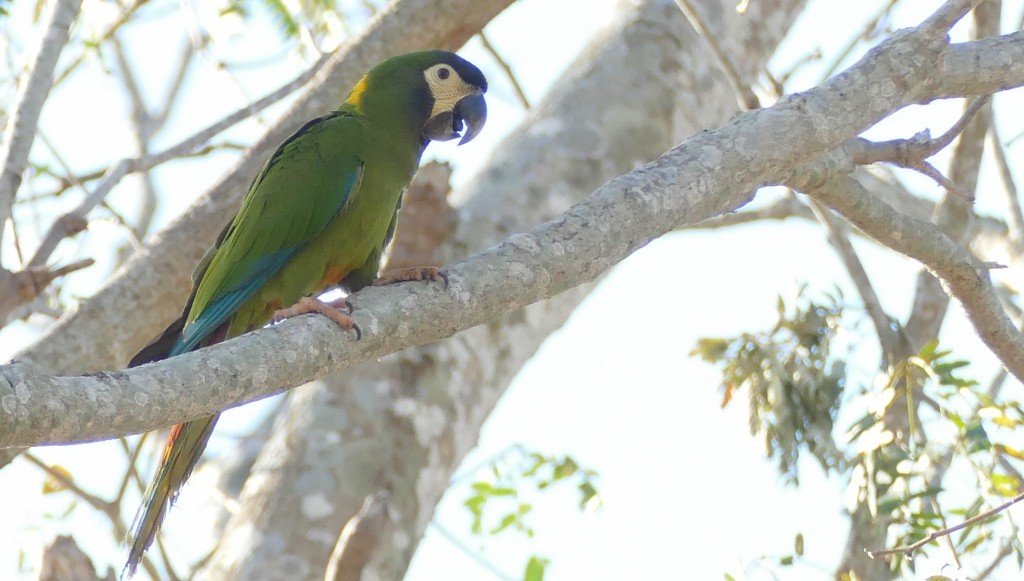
(643, 79)
(707, 175)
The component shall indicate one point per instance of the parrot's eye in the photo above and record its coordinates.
(443, 73)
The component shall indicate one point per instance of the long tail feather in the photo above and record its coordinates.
(184, 447)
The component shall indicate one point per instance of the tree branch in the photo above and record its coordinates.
(839, 237)
(70, 347)
(644, 78)
(908, 550)
(744, 94)
(707, 175)
(21, 128)
(358, 540)
(963, 276)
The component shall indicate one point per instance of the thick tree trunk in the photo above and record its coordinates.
(402, 425)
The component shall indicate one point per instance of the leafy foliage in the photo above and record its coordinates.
(507, 489)
(902, 481)
(923, 419)
(793, 385)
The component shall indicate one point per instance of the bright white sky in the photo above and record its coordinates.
(687, 491)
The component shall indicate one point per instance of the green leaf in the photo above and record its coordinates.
(535, 569)
(977, 439)
(1003, 484)
(482, 487)
(567, 467)
(506, 522)
(799, 544)
(587, 493)
(928, 351)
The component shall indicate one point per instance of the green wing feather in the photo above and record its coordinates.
(283, 212)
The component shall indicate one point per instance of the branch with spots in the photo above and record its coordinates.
(709, 174)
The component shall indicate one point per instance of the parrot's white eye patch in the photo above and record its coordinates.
(442, 75)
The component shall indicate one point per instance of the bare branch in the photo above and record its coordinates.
(509, 73)
(63, 560)
(963, 276)
(145, 162)
(865, 34)
(908, 152)
(709, 174)
(66, 226)
(358, 540)
(783, 208)
(948, 15)
(912, 153)
(24, 286)
(745, 96)
(21, 127)
(908, 550)
(1015, 218)
(839, 237)
(953, 214)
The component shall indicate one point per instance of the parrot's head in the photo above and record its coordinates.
(435, 93)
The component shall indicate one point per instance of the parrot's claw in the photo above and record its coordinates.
(332, 310)
(410, 274)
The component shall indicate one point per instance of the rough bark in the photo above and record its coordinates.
(626, 213)
(709, 174)
(403, 424)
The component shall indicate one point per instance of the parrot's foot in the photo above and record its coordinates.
(408, 274)
(331, 310)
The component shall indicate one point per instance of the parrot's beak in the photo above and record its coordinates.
(470, 111)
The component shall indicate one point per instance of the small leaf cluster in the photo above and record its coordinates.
(901, 479)
(512, 479)
(794, 386)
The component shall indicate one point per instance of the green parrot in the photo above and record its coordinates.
(320, 213)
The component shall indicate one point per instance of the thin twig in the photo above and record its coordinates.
(142, 163)
(908, 550)
(66, 481)
(1005, 551)
(520, 94)
(865, 34)
(912, 153)
(745, 96)
(838, 236)
(471, 553)
(943, 19)
(964, 277)
(114, 26)
(21, 126)
(188, 54)
(132, 472)
(906, 152)
(1015, 221)
(781, 209)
